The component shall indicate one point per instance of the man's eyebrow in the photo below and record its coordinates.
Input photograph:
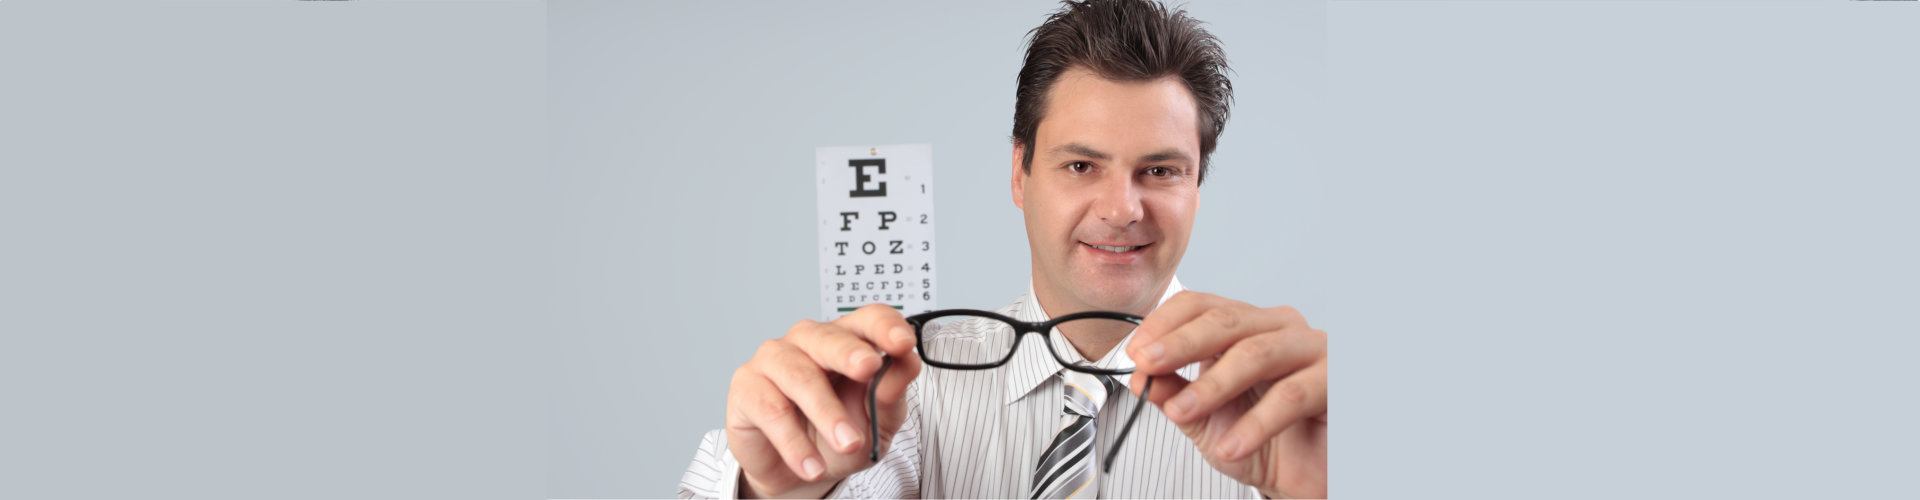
(1075, 148)
(1170, 154)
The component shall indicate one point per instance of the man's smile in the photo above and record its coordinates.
(1115, 248)
(1115, 252)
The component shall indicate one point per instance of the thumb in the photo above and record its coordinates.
(1203, 431)
(890, 396)
(1164, 388)
(887, 390)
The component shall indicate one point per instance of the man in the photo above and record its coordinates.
(1118, 108)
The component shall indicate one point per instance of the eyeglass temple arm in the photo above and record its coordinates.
(1106, 466)
(873, 414)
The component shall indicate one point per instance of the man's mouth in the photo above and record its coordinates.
(1116, 248)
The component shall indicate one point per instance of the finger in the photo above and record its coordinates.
(767, 412)
(1177, 310)
(889, 413)
(890, 400)
(758, 458)
(803, 382)
(1206, 336)
(835, 348)
(882, 325)
(854, 397)
(1253, 360)
(1164, 386)
(1300, 396)
(893, 387)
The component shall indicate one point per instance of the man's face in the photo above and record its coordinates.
(1110, 199)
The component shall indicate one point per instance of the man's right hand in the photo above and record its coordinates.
(797, 411)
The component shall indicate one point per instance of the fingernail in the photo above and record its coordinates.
(1182, 404)
(861, 360)
(1229, 448)
(846, 435)
(1153, 352)
(812, 465)
(902, 334)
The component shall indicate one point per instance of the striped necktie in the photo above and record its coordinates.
(1066, 469)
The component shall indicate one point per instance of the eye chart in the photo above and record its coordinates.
(876, 228)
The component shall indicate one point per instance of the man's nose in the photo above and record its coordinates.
(1118, 204)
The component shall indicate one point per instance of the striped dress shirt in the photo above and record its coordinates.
(980, 433)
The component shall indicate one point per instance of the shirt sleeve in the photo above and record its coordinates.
(716, 474)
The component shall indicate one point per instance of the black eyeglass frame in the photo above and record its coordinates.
(1020, 329)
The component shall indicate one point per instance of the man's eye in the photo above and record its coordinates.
(1079, 167)
(1159, 171)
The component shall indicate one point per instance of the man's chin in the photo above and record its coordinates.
(1122, 296)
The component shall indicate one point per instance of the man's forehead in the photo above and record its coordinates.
(1092, 116)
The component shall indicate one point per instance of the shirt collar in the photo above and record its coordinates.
(1032, 365)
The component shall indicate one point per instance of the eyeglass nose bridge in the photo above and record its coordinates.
(1088, 366)
(1089, 317)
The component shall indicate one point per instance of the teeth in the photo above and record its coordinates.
(1113, 249)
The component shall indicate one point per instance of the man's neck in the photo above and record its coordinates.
(1092, 344)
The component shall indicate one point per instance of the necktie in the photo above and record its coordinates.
(1066, 469)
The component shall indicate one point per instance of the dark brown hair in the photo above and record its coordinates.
(1123, 40)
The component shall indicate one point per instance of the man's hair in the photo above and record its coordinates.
(1128, 41)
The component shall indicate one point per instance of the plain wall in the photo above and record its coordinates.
(1601, 249)
(272, 249)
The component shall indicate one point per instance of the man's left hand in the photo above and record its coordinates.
(1258, 410)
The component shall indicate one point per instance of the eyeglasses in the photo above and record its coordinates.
(967, 339)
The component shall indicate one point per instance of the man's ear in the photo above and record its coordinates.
(1019, 177)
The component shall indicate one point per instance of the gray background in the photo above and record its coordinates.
(313, 249)
(272, 249)
(1643, 249)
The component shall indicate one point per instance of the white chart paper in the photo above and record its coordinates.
(876, 228)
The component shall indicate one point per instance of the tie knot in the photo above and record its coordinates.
(1086, 392)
